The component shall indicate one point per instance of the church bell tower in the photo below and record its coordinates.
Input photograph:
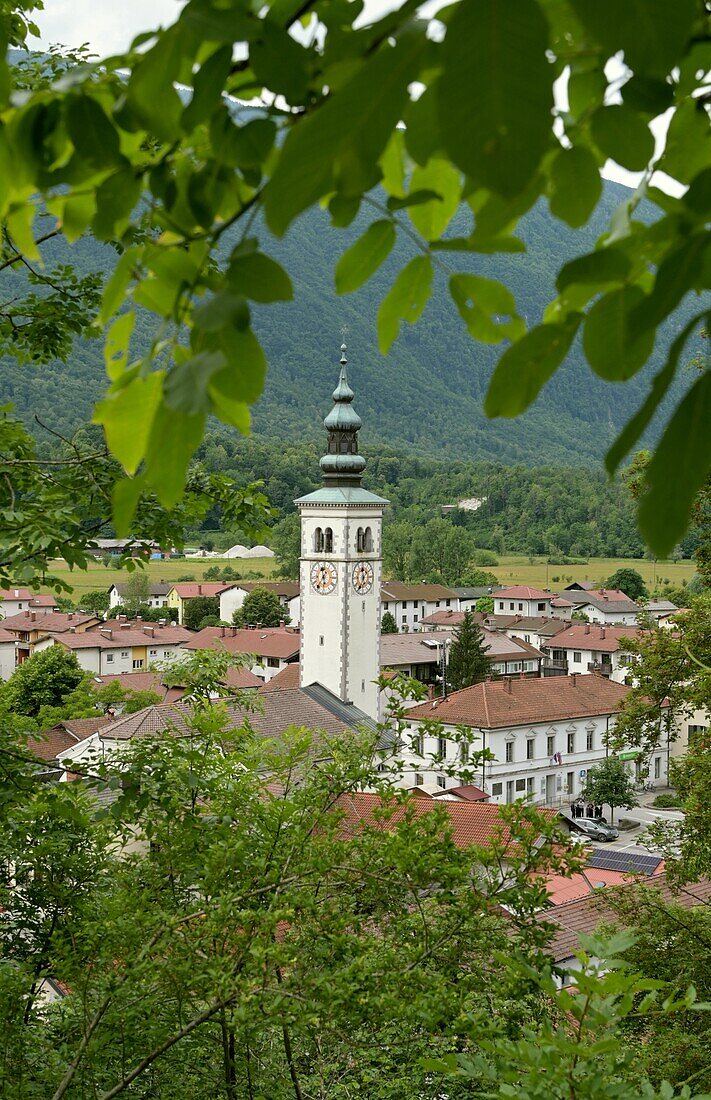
(341, 566)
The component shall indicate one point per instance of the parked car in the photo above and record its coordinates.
(595, 828)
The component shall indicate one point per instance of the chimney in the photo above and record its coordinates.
(508, 685)
(139, 618)
(199, 590)
(602, 632)
(430, 692)
(72, 630)
(234, 631)
(125, 626)
(150, 631)
(282, 623)
(574, 678)
(33, 616)
(107, 632)
(70, 616)
(587, 628)
(162, 622)
(222, 631)
(122, 618)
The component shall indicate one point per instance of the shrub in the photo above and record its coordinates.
(668, 802)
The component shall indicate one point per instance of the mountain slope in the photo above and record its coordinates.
(426, 394)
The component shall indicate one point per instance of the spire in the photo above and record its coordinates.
(342, 465)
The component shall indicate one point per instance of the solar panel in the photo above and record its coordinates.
(614, 860)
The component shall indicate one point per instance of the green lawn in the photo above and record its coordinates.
(99, 576)
(517, 569)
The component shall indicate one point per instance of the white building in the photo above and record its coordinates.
(270, 649)
(157, 595)
(591, 647)
(604, 605)
(15, 600)
(544, 735)
(409, 604)
(7, 654)
(521, 599)
(232, 598)
(121, 645)
(341, 567)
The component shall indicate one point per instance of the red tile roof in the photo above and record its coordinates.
(521, 592)
(115, 634)
(605, 639)
(38, 599)
(477, 823)
(399, 590)
(65, 735)
(6, 636)
(469, 793)
(287, 589)
(275, 641)
(445, 617)
(497, 704)
(284, 680)
(201, 588)
(585, 914)
(54, 622)
(140, 681)
(565, 888)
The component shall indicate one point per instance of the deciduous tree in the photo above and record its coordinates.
(630, 582)
(609, 784)
(262, 606)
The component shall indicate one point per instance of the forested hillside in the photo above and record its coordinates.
(426, 394)
(534, 510)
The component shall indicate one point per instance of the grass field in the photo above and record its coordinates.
(518, 569)
(98, 576)
(512, 569)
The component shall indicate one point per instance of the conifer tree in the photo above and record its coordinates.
(468, 662)
(388, 624)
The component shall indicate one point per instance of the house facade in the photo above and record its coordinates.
(586, 648)
(601, 605)
(232, 598)
(15, 600)
(180, 595)
(544, 734)
(32, 629)
(521, 599)
(270, 649)
(157, 595)
(121, 645)
(409, 604)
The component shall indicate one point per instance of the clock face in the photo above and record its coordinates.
(323, 577)
(363, 576)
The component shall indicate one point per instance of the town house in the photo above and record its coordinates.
(121, 645)
(521, 599)
(544, 735)
(232, 598)
(409, 604)
(271, 649)
(590, 647)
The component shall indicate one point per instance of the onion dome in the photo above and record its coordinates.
(342, 465)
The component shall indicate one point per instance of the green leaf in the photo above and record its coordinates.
(393, 167)
(698, 197)
(576, 185)
(363, 258)
(224, 308)
(415, 198)
(115, 289)
(127, 418)
(343, 210)
(405, 300)
(526, 366)
(77, 212)
(19, 227)
(479, 301)
(586, 90)
(679, 468)
(495, 92)
(611, 349)
(124, 502)
(186, 386)
(432, 218)
(280, 63)
(174, 438)
(341, 142)
(116, 198)
(118, 338)
(156, 295)
(652, 33)
(421, 126)
(151, 94)
(208, 86)
(260, 278)
(93, 135)
(677, 274)
(688, 146)
(623, 135)
(634, 428)
(242, 380)
(606, 265)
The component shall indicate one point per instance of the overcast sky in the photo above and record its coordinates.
(108, 26)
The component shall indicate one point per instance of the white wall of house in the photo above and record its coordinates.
(579, 660)
(232, 599)
(505, 605)
(526, 765)
(117, 600)
(605, 615)
(7, 660)
(689, 725)
(408, 614)
(102, 661)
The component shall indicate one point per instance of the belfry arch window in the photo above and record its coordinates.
(318, 541)
(328, 541)
(364, 540)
